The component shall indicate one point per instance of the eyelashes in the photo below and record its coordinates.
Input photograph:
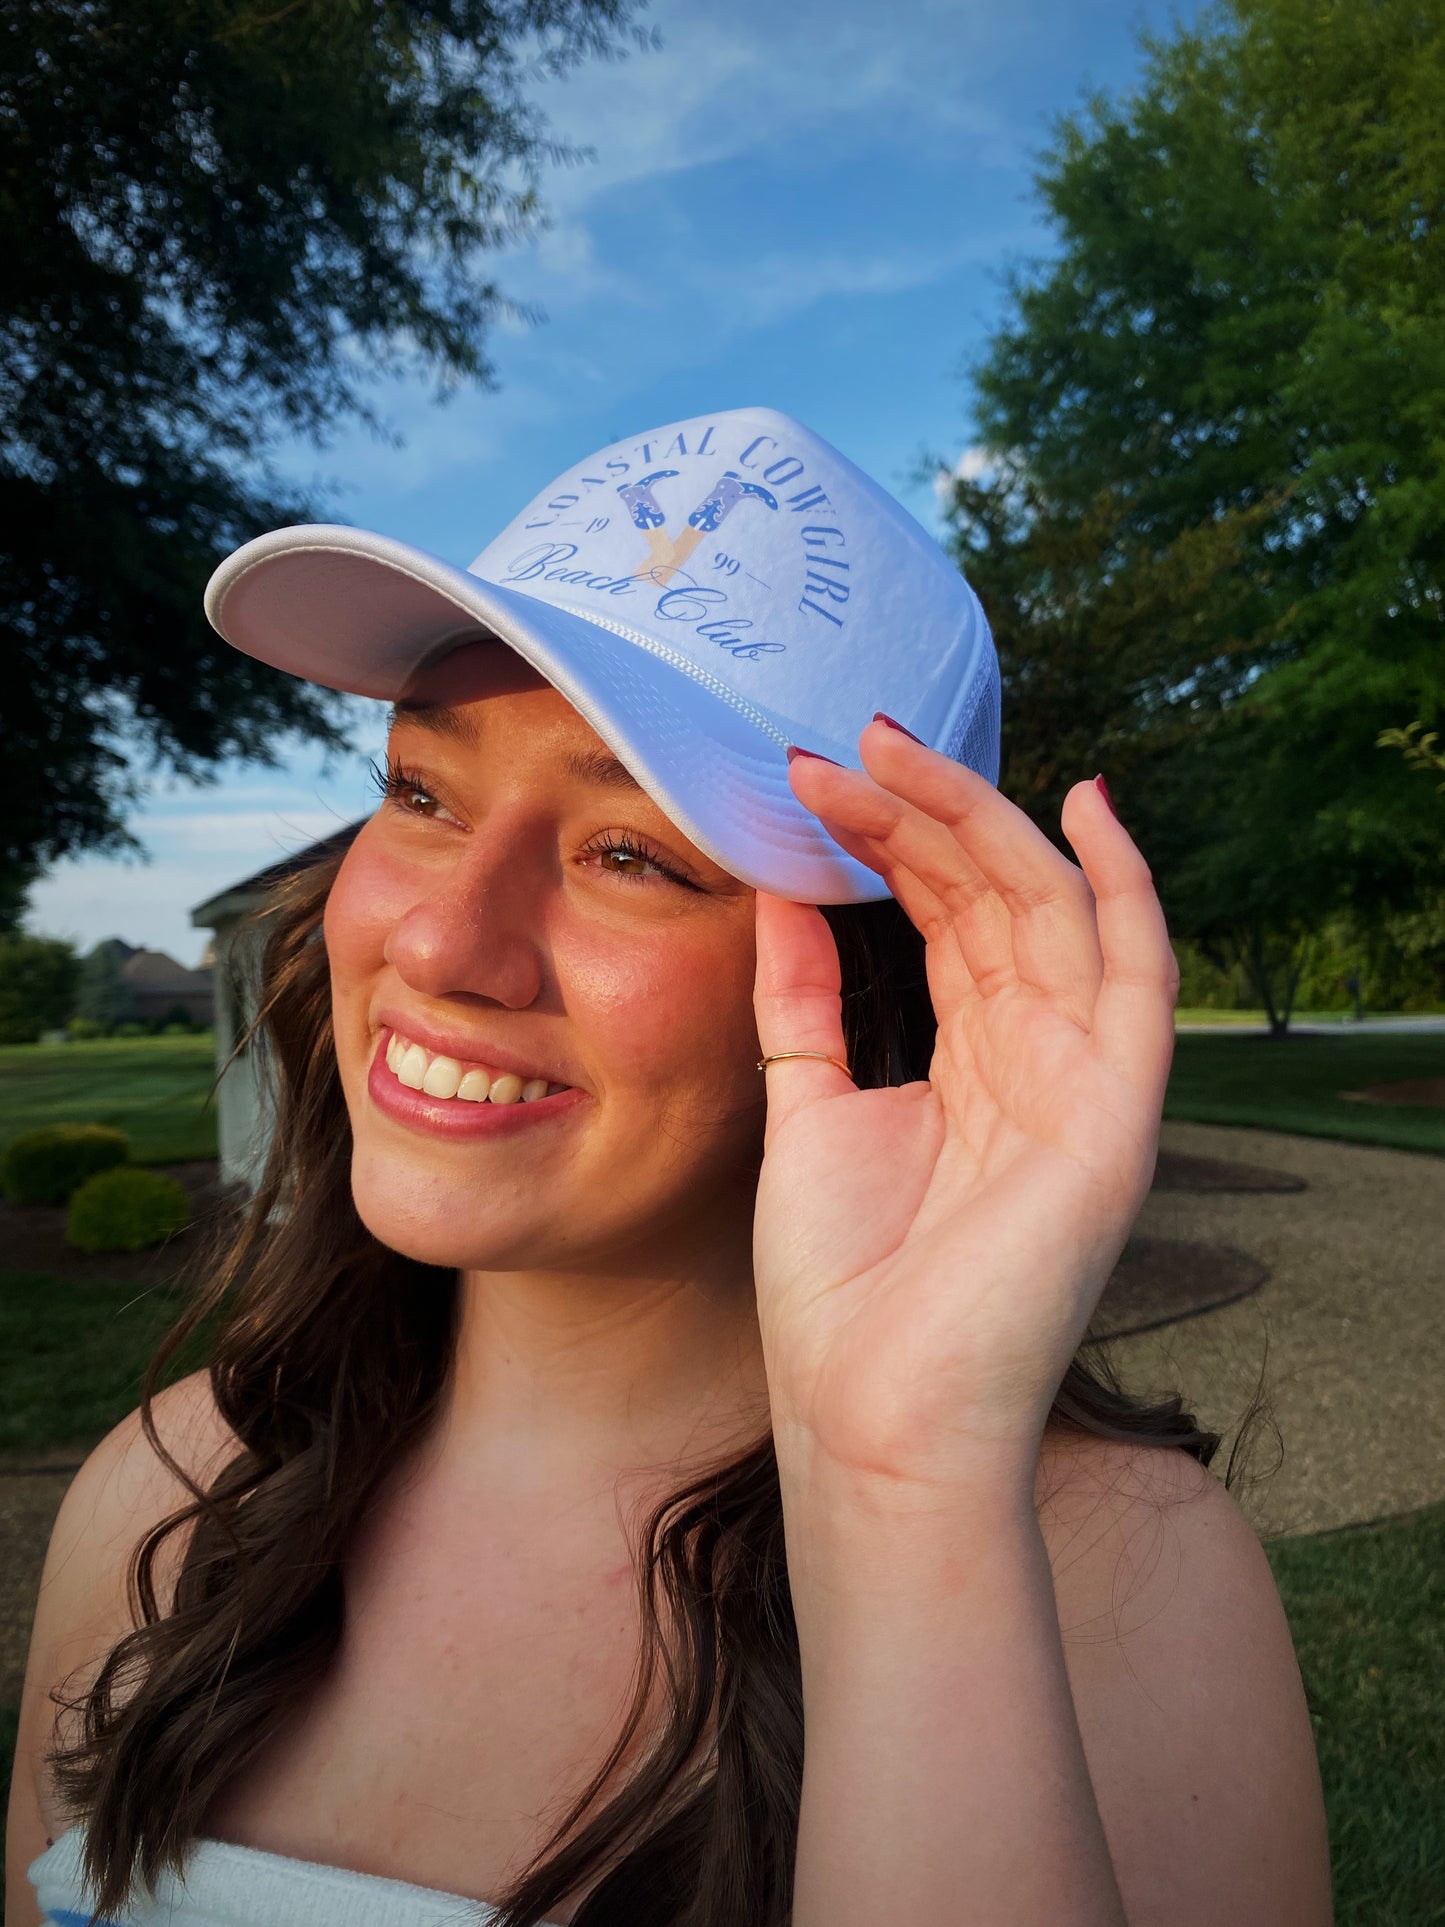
(402, 787)
(394, 784)
(633, 848)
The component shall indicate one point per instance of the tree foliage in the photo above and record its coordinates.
(37, 986)
(222, 218)
(1230, 383)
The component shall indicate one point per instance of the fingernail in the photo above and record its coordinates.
(793, 751)
(1103, 788)
(880, 717)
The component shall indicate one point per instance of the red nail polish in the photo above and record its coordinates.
(1103, 788)
(880, 717)
(793, 751)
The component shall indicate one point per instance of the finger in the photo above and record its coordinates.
(1051, 927)
(1053, 949)
(1134, 1012)
(949, 977)
(1010, 851)
(798, 1006)
(919, 861)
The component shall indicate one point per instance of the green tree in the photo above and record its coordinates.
(1243, 330)
(14, 898)
(1419, 746)
(221, 219)
(37, 986)
(102, 994)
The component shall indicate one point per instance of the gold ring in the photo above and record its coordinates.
(778, 1056)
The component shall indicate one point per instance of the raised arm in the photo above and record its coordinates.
(928, 1259)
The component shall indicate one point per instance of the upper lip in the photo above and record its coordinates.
(470, 1050)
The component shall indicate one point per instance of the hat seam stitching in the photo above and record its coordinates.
(684, 664)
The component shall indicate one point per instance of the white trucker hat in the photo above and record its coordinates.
(704, 595)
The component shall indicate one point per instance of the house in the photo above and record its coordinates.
(242, 1126)
(155, 988)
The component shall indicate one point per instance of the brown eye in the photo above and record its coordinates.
(403, 791)
(629, 863)
(618, 853)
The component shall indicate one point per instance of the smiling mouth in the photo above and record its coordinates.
(449, 1078)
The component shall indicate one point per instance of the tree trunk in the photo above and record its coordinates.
(1264, 963)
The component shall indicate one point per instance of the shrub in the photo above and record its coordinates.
(83, 1029)
(126, 1209)
(177, 1029)
(46, 1166)
(131, 1029)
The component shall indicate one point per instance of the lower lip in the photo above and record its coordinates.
(455, 1117)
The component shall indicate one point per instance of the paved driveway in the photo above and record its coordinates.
(1354, 1317)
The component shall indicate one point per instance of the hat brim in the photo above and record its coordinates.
(363, 613)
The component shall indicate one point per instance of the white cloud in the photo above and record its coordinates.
(728, 81)
(973, 463)
(785, 281)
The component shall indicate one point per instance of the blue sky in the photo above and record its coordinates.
(807, 206)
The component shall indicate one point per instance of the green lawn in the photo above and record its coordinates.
(1338, 1018)
(72, 1356)
(1367, 1611)
(156, 1089)
(1293, 1084)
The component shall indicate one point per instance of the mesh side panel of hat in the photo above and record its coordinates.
(975, 737)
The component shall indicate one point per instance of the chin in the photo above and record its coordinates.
(436, 1219)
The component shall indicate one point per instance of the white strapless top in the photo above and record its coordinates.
(227, 1886)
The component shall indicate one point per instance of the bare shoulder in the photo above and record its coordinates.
(1186, 1688)
(123, 1489)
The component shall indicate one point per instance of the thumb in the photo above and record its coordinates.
(798, 1006)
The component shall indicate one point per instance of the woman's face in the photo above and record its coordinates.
(517, 911)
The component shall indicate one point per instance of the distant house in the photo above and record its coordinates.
(158, 988)
(242, 1125)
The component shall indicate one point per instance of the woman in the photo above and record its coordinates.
(624, 1215)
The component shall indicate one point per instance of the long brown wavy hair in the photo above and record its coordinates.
(328, 1356)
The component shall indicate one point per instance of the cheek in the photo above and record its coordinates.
(366, 901)
(673, 1010)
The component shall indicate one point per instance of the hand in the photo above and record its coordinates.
(928, 1256)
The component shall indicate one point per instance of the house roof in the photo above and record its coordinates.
(240, 899)
(154, 970)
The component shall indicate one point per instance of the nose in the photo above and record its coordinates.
(477, 931)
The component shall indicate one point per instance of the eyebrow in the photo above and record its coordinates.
(597, 767)
(600, 768)
(440, 719)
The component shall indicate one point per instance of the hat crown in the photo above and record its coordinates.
(751, 554)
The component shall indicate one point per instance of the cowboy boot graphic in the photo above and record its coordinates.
(642, 505)
(709, 515)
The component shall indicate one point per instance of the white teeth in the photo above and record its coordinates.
(411, 1071)
(442, 1077)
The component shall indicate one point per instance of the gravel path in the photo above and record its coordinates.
(1353, 1314)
